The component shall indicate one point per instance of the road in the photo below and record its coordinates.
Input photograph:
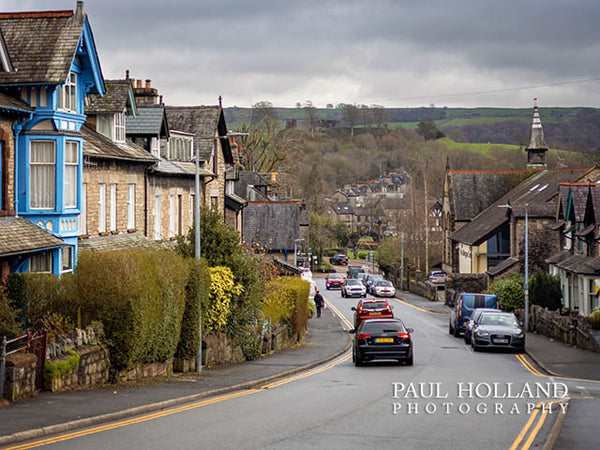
(381, 405)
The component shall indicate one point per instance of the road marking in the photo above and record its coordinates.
(179, 409)
(543, 406)
(529, 366)
(338, 313)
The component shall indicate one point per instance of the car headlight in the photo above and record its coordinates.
(519, 334)
(482, 333)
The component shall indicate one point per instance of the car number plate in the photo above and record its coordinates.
(384, 340)
(501, 341)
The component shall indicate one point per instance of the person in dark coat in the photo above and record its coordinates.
(319, 302)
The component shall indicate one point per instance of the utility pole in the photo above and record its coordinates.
(526, 268)
(426, 225)
(402, 260)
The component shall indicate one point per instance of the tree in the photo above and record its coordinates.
(510, 292)
(342, 234)
(311, 114)
(321, 233)
(544, 290)
(428, 130)
(379, 115)
(350, 115)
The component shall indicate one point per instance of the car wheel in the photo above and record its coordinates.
(456, 332)
(409, 361)
(475, 347)
(357, 361)
(467, 340)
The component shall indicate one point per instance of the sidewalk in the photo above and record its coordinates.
(51, 413)
(554, 357)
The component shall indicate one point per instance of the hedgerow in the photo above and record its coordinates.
(222, 289)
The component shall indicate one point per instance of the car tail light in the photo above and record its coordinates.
(404, 335)
(363, 336)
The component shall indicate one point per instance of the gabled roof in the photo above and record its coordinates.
(342, 208)
(594, 201)
(535, 192)
(247, 184)
(118, 97)
(472, 191)
(578, 264)
(8, 103)
(99, 146)
(180, 168)
(149, 121)
(276, 225)
(19, 236)
(41, 47)
(574, 196)
(206, 123)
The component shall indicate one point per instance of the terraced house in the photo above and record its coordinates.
(48, 65)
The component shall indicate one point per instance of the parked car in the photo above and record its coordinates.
(354, 270)
(467, 302)
(383, 288)
(382, 339)
(475, 315)
(498, 330)
(306, 273)
(334, 280)
(371, 309)
(370, 279)
(339, 260)
(361, 276)
(437, 277)
(353, 288)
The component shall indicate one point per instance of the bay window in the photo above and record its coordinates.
(41, 263)
(42, 174)
(119, 127)
(67, 94)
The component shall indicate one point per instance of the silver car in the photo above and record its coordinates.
(353, 288)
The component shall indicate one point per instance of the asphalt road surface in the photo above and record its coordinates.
(450, 398)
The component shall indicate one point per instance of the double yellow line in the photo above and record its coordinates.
(543, 406)
(525, 362)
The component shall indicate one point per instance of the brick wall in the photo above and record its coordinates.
(7, 176)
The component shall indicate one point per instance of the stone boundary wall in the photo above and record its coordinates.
(19, 379)
(141, 371)
(220, 349)
(571, 329)
(93, 371)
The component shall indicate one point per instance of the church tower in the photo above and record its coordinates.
(537, 148)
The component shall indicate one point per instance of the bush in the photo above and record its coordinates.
(222, 290)
(595, 319)
(250, 342)
(60, 368)
(56, 325)
(9, 326)
(510, 292)
(33, 296)
(197, 290)
(544, 290)
(287, 302)
(139, 296)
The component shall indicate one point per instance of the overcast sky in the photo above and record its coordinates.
(395, 53)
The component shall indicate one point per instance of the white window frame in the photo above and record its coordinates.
(172, 212)
(67, 94)
(42, 197)
(157, 218)
(131, 206)
(67, 259)
(72, 171)
(103, 126)
(155, 146)
(102, 208)
(119, 127)
(113, 207)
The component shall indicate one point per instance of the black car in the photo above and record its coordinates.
(475, 315)
(498, 330)
(339, 260)
(382, 339)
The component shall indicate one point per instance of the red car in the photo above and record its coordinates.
(371, 309)
(334, 280)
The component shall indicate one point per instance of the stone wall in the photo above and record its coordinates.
(220, 350)
(93, 370)
(19, 381)
(572, 329)
(139, 372)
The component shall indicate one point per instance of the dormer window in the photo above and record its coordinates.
(67, 94)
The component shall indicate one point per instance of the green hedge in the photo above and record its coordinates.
(60, 368)
(197, 290)
(140, 298)
(287, 302)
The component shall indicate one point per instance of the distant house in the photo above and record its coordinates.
(43, 89)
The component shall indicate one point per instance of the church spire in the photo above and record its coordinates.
(537, 148)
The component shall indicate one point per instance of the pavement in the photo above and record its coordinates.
(51, 413)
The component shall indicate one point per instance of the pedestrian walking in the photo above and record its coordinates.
(319, 302)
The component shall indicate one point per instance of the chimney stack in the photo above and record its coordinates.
(138, 83)
(127, 74)
(148, 84)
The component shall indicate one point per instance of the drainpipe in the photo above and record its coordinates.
(17, 127)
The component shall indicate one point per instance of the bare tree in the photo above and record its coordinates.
(311, 113)
(350, 115)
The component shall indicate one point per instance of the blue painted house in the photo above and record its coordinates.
(49, 63)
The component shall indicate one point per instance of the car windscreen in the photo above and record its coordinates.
(383, 327)
(337, 277)
(374, 305)
(383, 283)
(354, 281)
(497, 319)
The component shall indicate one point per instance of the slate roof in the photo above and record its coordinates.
(474, 191)
(275, 225)
(180, 168)
(537, 190)
(342, 208)
(97, 145)
(9, 103)
(117, 98)
(243, 186)
(202, 122)
(123, 241)
(579, 264)
(149, 121)
(502, 266)
(40, 45)
(595, 200)
(19, 236)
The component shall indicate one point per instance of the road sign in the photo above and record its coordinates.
(597, 287)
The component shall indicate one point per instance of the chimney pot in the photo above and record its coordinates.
(127, 74)
(148, 84)
(138, 83)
